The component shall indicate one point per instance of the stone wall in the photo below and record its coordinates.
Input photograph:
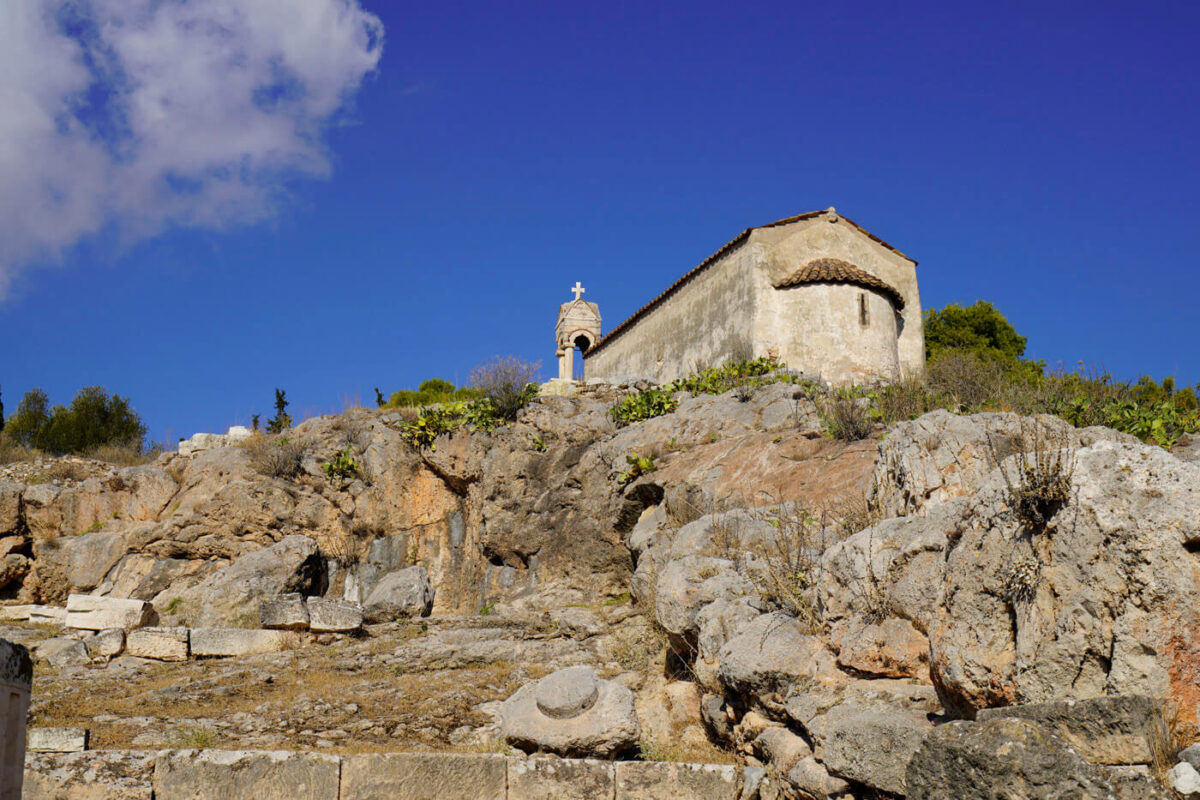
(705, 321)
(296, 775)
(784, 249)
(837, 345)
(731, 309)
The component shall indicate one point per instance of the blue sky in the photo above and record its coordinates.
(431, 203)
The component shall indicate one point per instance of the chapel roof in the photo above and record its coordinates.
(834, 270)
(728, 246)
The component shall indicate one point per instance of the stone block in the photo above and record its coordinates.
(872, 745)
(48, 615)
(559, 779)
(287, 612)
(424, 776)
(18, 612)
(16, 679)
(235, 642)
(1104, 730)
(163, 644)
(333, 616)
(91, 775)
(245, 775)
(62, 651)
(663, 780)
(56, 740)
(105, 644)
(85, 612)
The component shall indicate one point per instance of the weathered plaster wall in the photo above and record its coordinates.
(819, 332)
(784, 249)
(706, 322)
(732, 310)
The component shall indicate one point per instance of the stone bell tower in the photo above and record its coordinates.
(578, 326)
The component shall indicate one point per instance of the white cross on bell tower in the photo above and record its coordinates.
(578, 328)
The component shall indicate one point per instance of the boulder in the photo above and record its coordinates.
(10, 507)
(691, 582)
(573, 713)
(161, 644)
(873, 745)
(207, 642)
(1185, 779)
(401, 594)
(1109, 601)
(62, 651)
(941, 455)
(233, 595)
(969, 760)
(791, 757)
(13, 568)
(1105, 730)
(90, 556)
(770, 656)
(893, 648)
(286, 612)
(90, 613)
(718, 622)
(105, 644)
(333, 616)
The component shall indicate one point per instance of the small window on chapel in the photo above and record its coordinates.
(864, 316)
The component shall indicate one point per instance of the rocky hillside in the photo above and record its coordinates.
(862, 619)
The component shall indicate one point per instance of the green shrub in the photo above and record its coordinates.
(638, 466)
(274, 456)
(643, 405)
(742, 375)
(432, 392)
(342, 466)
(845, 415)
(507, 384)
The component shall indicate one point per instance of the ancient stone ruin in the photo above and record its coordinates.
(814, 291)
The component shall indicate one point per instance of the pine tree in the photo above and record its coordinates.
(282, 420)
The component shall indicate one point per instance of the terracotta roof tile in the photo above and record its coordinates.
(729, 246)
(834, 270)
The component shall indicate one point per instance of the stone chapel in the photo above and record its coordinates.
(815, 291)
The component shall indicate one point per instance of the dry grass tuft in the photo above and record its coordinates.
(1045, 466)
(274, 456)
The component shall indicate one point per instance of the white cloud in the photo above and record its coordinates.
(142, 114)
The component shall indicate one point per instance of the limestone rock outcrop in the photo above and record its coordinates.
(973, 760)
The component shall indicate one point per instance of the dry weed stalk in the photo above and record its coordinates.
(784, 566)
(1044, 470)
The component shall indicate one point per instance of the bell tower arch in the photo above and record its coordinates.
(578, 327)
